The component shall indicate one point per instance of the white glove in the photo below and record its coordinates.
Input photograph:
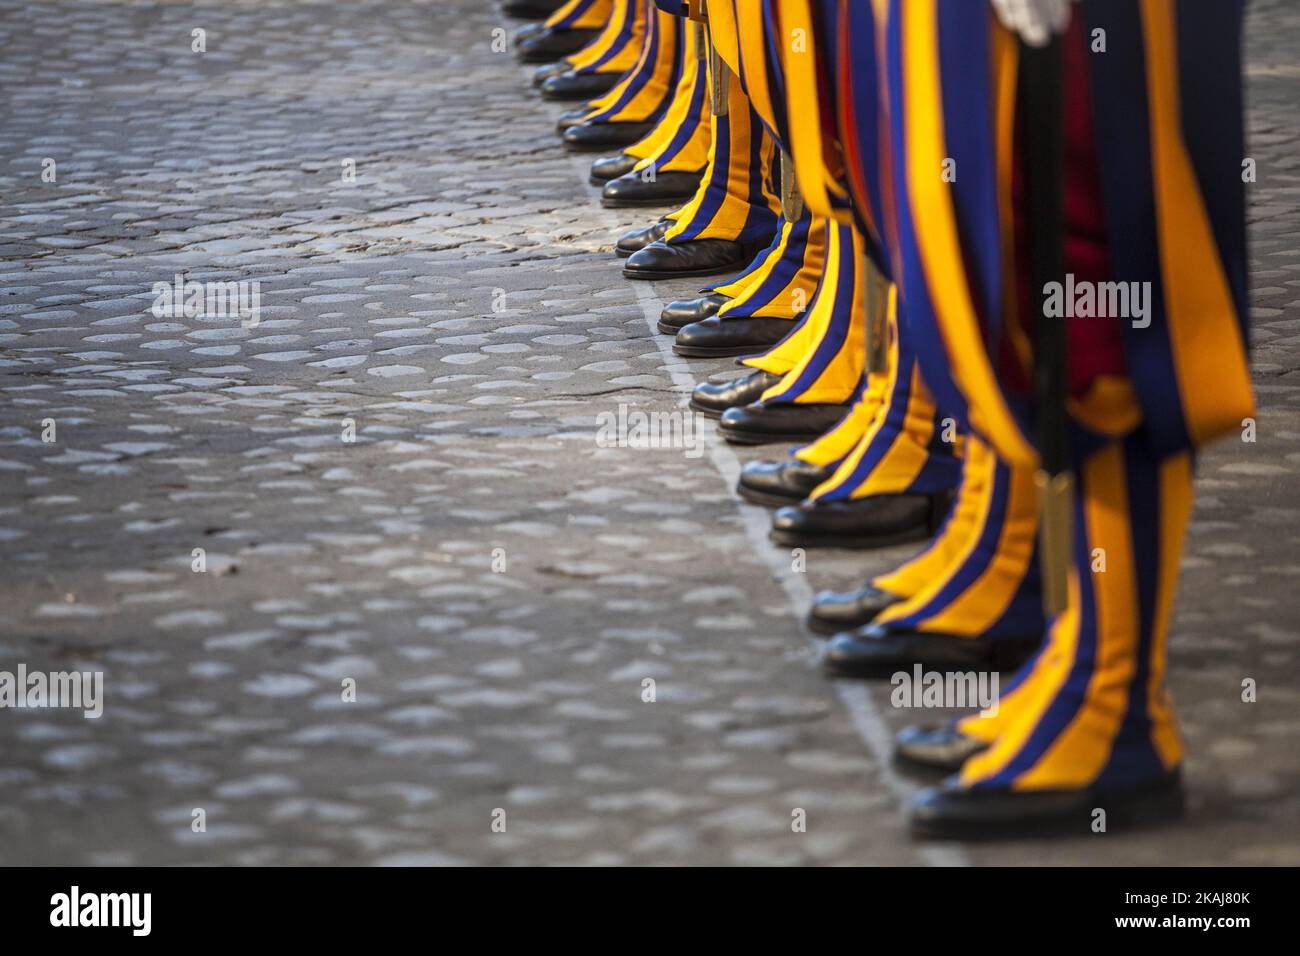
(1034, 20)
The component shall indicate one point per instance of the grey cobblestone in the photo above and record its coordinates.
(477, 689)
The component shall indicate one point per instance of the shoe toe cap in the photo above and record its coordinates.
(623, 187)
(575, 135)
(929, 805)
(612, 167)
(787, 518)
(761, 476)
(734, 416)
(703, 332)
(656, 255)
(681, 312)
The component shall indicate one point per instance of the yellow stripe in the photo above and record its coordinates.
(593, 19)
(1109, 407)
(797, 296)
(740, 290)
(752, 42)
(1203, 329)
(991, 727)
(695, 153)
(1080, 752)
(606, 42)
(793, 354)
(804, 110)
(639, 48)
(722, 31)
(565, 11)
(910, 452)
(652, 93)
(986, 599)
(840, 376)
(841, 439)
(977, 488)
(849, 465)
(687, 213)
(730, 217)
(938, 238)
(1015, 724)
(948, 549)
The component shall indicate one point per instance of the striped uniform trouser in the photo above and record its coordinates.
(1091, 708)
(679, 143)
(646, 90)
(581, 15)
(616, 48)
(981, 571)
(736, 199)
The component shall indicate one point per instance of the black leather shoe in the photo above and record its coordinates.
(713, 398)
(611, 167)
(951, 812)
(578, 86)
(544, 73)
(834, 612)
(530, 9)
(547, 45)
(935, 749)
(569, 119)
(638, 239)
(678, 260)
(774, 484)
(875, 651)
(665, 189)
(677, 315)
(590, 137)
(715, 337)
(761, 423)
(531, 30)
(875, 522)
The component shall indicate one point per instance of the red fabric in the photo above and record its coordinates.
(1095, 344)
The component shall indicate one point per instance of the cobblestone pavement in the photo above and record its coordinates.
(458, 305)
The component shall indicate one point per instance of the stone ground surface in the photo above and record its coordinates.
(475, 431)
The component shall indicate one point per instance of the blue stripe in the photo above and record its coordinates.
(761, 221)
(968, 130)
(864, 88)
(775, 75)
(1065, 706)
(615, 48)
(917, 321)
(682, 138)
(716, 190)
(832, 341)
(640, 79)
(1024, 615)
(891, 429)
(1123, 142)
(1212, 118)
(1133, 755)
(782, 274)
(578, 13)
(977, 562)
